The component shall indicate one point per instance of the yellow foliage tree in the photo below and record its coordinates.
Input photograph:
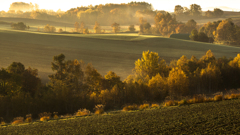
(158, 87)
(178, 83)
(150, 65)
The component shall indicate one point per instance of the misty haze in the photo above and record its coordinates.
(111, 68)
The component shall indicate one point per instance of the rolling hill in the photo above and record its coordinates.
(115, 52)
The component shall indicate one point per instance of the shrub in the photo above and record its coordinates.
(55, 115)
(130, 107)
(19, 26)
(49, 28)
(144, 106)
(45, 116)
(18, 120)
(82, 112)
(99, 109)
(218, 98)
(28, 118)
(169, 103)
(198, 99)
(154, 105)
(226, 97)
(182, 102)
(209, 99)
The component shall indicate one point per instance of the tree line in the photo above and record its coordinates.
(106, 14)
(75, 85)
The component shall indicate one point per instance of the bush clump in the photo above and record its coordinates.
(82, 112)
(218, 97)
(18, 120)
(130, 107)
(99, 109)
(144, 106)
(45, 116)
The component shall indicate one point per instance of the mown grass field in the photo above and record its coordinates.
(203, 118)
(107, 52)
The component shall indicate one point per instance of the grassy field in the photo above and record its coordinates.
(203, 118)
(115, 52)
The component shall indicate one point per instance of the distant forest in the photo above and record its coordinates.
(106, 14)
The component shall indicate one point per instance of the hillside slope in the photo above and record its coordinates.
(204, 118)
(116, 52)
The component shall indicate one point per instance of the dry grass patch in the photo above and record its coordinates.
(99, 109)
(154, 105)
(83, 112)
(209, 99)
(28, 118)
(182, 102)
(144, 106)
(199, 98)
(169, 103)
(18, 120)
(45, 116)
(218, 97)
(130, 107)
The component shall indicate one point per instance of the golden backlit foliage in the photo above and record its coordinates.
(74, 85)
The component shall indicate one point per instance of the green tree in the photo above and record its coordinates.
(19, 26)
(59, 66)
(202, 37)
(194, 35)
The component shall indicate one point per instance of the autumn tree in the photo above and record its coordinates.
(195, 10)
(112, 79)
(178, 10)
(165, 23)
(131, 28)
(76, 26)
(82, 27)
(226, 32)
(149, 65)
(115, 27)
(158, 87)
(218, 12)
(145, 27)
(178, 83)
(48, 28)
(97, 28)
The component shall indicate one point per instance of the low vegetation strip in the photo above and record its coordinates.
(202, 118)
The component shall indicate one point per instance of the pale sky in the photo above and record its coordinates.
(167, 5)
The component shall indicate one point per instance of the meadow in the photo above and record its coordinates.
(107, 52)
(201, 118)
